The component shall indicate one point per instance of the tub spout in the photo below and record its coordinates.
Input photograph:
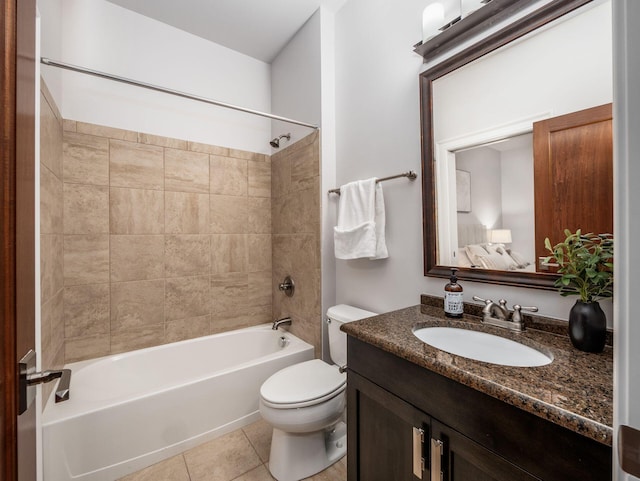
(285, 321)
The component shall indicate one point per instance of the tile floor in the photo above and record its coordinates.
(241, 455)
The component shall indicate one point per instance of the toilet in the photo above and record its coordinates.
(305, 405)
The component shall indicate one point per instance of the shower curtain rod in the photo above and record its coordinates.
(177, 93)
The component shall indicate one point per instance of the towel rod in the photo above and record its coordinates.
(177, 93)
(411, 175)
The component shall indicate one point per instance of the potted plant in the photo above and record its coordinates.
(585, 265)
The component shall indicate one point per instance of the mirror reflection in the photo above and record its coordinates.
(522, 146)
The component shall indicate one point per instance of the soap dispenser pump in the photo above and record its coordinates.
(453, 305)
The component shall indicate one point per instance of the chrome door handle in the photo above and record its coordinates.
(29, 377)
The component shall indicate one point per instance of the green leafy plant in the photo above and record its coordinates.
(585, 265)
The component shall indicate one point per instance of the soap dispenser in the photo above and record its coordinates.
(453, 305)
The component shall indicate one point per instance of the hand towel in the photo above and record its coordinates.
(361, 221)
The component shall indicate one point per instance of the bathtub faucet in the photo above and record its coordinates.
(285, 321)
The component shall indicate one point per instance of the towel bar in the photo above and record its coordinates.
(411, 175)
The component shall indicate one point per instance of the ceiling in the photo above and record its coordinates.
(257, 28)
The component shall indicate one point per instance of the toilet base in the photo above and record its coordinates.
(297, 456)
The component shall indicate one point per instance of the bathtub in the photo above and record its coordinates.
(129, 411)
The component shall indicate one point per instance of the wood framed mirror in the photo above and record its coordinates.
(482, 97)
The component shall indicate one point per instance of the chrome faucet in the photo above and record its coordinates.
(498, 314)
(285, 321)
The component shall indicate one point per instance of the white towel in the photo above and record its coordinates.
(361, 221)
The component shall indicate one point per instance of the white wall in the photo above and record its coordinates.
(295, 82)
(378, 133)
(626, 115)
(486, 190)
(518, 212)
(102, 36)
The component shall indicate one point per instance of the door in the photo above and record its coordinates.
(17, 230)
(573, 175)
(461, 459)
(388, 440)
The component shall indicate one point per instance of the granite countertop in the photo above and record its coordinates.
(574, 391)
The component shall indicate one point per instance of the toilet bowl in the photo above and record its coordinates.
(305, 405)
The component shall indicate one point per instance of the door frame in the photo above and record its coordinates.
(17, 231)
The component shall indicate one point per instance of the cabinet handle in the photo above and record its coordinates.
(436, 459)
(418, 460)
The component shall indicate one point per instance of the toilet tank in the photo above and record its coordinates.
(336, 316)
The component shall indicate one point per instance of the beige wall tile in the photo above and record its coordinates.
(186, 171)
(85, 159)
(228, 292)
(162, 141)
(228, 214)
(228, 176)
(297, 213)
(51, 203)
(136, 304)
(186, 213)
(259, 179)
(69, 125)
(52, 325)
(137, 257)
(246, 155)
(242, 316)
(305, 168)
(86, 209)
(86, 310)
(136, 165)
(280, 176)
(136, 211)
(86, 259)
(104, 131)
(187, 255)
(50, 138)
(259, 218)
(259, 252)
(187, 297)
(137, 338)
(228, 253)
(224, 458)
(186, 328)
(208, 149)
(51, 265)
(89, 347)
(172, 469)
(260, 288)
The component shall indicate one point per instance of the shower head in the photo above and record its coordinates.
(275, 143)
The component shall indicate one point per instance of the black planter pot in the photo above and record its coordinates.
(587, 326)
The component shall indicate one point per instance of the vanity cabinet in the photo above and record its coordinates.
(408, 423)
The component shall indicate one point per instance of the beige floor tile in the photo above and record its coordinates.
(261, 473)
(173, 469)
(222, 459)
(259, 434)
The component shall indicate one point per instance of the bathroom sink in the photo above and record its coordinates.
(482, 346)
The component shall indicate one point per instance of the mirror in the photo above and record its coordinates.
(481, 186)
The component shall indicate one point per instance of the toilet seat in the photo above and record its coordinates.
(305, 384)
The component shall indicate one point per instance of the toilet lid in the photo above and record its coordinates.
(302, 382)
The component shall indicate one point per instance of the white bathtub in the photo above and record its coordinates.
(131, 410)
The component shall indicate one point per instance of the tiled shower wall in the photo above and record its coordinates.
(296, 236)
(164, 240)
(51, 236)
(147, 240)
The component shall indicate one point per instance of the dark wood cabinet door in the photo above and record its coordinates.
(465, 460)
(573, 175)
(383, 438)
